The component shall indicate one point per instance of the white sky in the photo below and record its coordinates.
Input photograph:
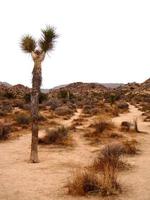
(99, 40)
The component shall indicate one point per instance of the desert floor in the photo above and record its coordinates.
(21, 180)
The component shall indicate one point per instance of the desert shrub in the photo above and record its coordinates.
(110, 155)
(41, 117)
(26, 106)
(9, 95)
(6, 107)
(65, 94)
(114, 111)
(108, 162)
(112, 98)
(112, 150)
(83, 183)
(90, 110)
(27, 97)
(42, 97)
(54, 103)
(87, 109)
(114, 135)
(125, 126)
(64, 110)
(123, 105)
(59, 135)
(4, 131)
(130, 146)
(23, 119)
(2, 113)
(99, 128)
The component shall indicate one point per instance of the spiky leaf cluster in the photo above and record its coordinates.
(48, 37)
(28, 44)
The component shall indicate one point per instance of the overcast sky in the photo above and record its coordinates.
(99, 40)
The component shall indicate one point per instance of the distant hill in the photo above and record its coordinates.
(107, 85)
(112, 85)
(5, 84)
(80, 88)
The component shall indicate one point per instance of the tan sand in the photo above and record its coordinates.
(20, 180)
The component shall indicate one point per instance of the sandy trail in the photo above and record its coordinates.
(43, 181)
(137, 181)
(20, 180)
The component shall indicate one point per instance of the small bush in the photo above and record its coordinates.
(42, 97)
(41, 118)
(123, 105)
(4, 131)
(108, 162)
(2, 113)
(9, 95)
(99, 128)
(83, 183)
(130, 147)
(125, 126)
(23, 119)
(64, 110)
(5, 108)
(65, 94)
(58, 136)
(110, 155)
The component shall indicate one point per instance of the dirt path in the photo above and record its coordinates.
(20, 180)
(137, 181)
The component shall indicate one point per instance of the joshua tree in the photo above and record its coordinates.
(37, 51)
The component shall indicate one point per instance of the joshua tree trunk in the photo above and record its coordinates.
(36, 83)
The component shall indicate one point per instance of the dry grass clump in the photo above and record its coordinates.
(110, 156)
(23, 119)
(87, 182)
(105, 182)
(58, 136)
(83, 183)
(64, 110)
(130, 147)
(99, 129)
(108, 163)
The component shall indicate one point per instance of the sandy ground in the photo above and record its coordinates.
(20, 180)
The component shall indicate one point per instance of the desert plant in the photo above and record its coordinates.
(59, 136)
(83, 183)
(23, 119)
(109, 162)
(130, 146)
(136, 126)
(64, 110)
(4, 131)
(123, 105)
(99, 128)
(125, 126)
(28, 45)
(9, 95)
(42, 97)
(109, 155)
(112, 98)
